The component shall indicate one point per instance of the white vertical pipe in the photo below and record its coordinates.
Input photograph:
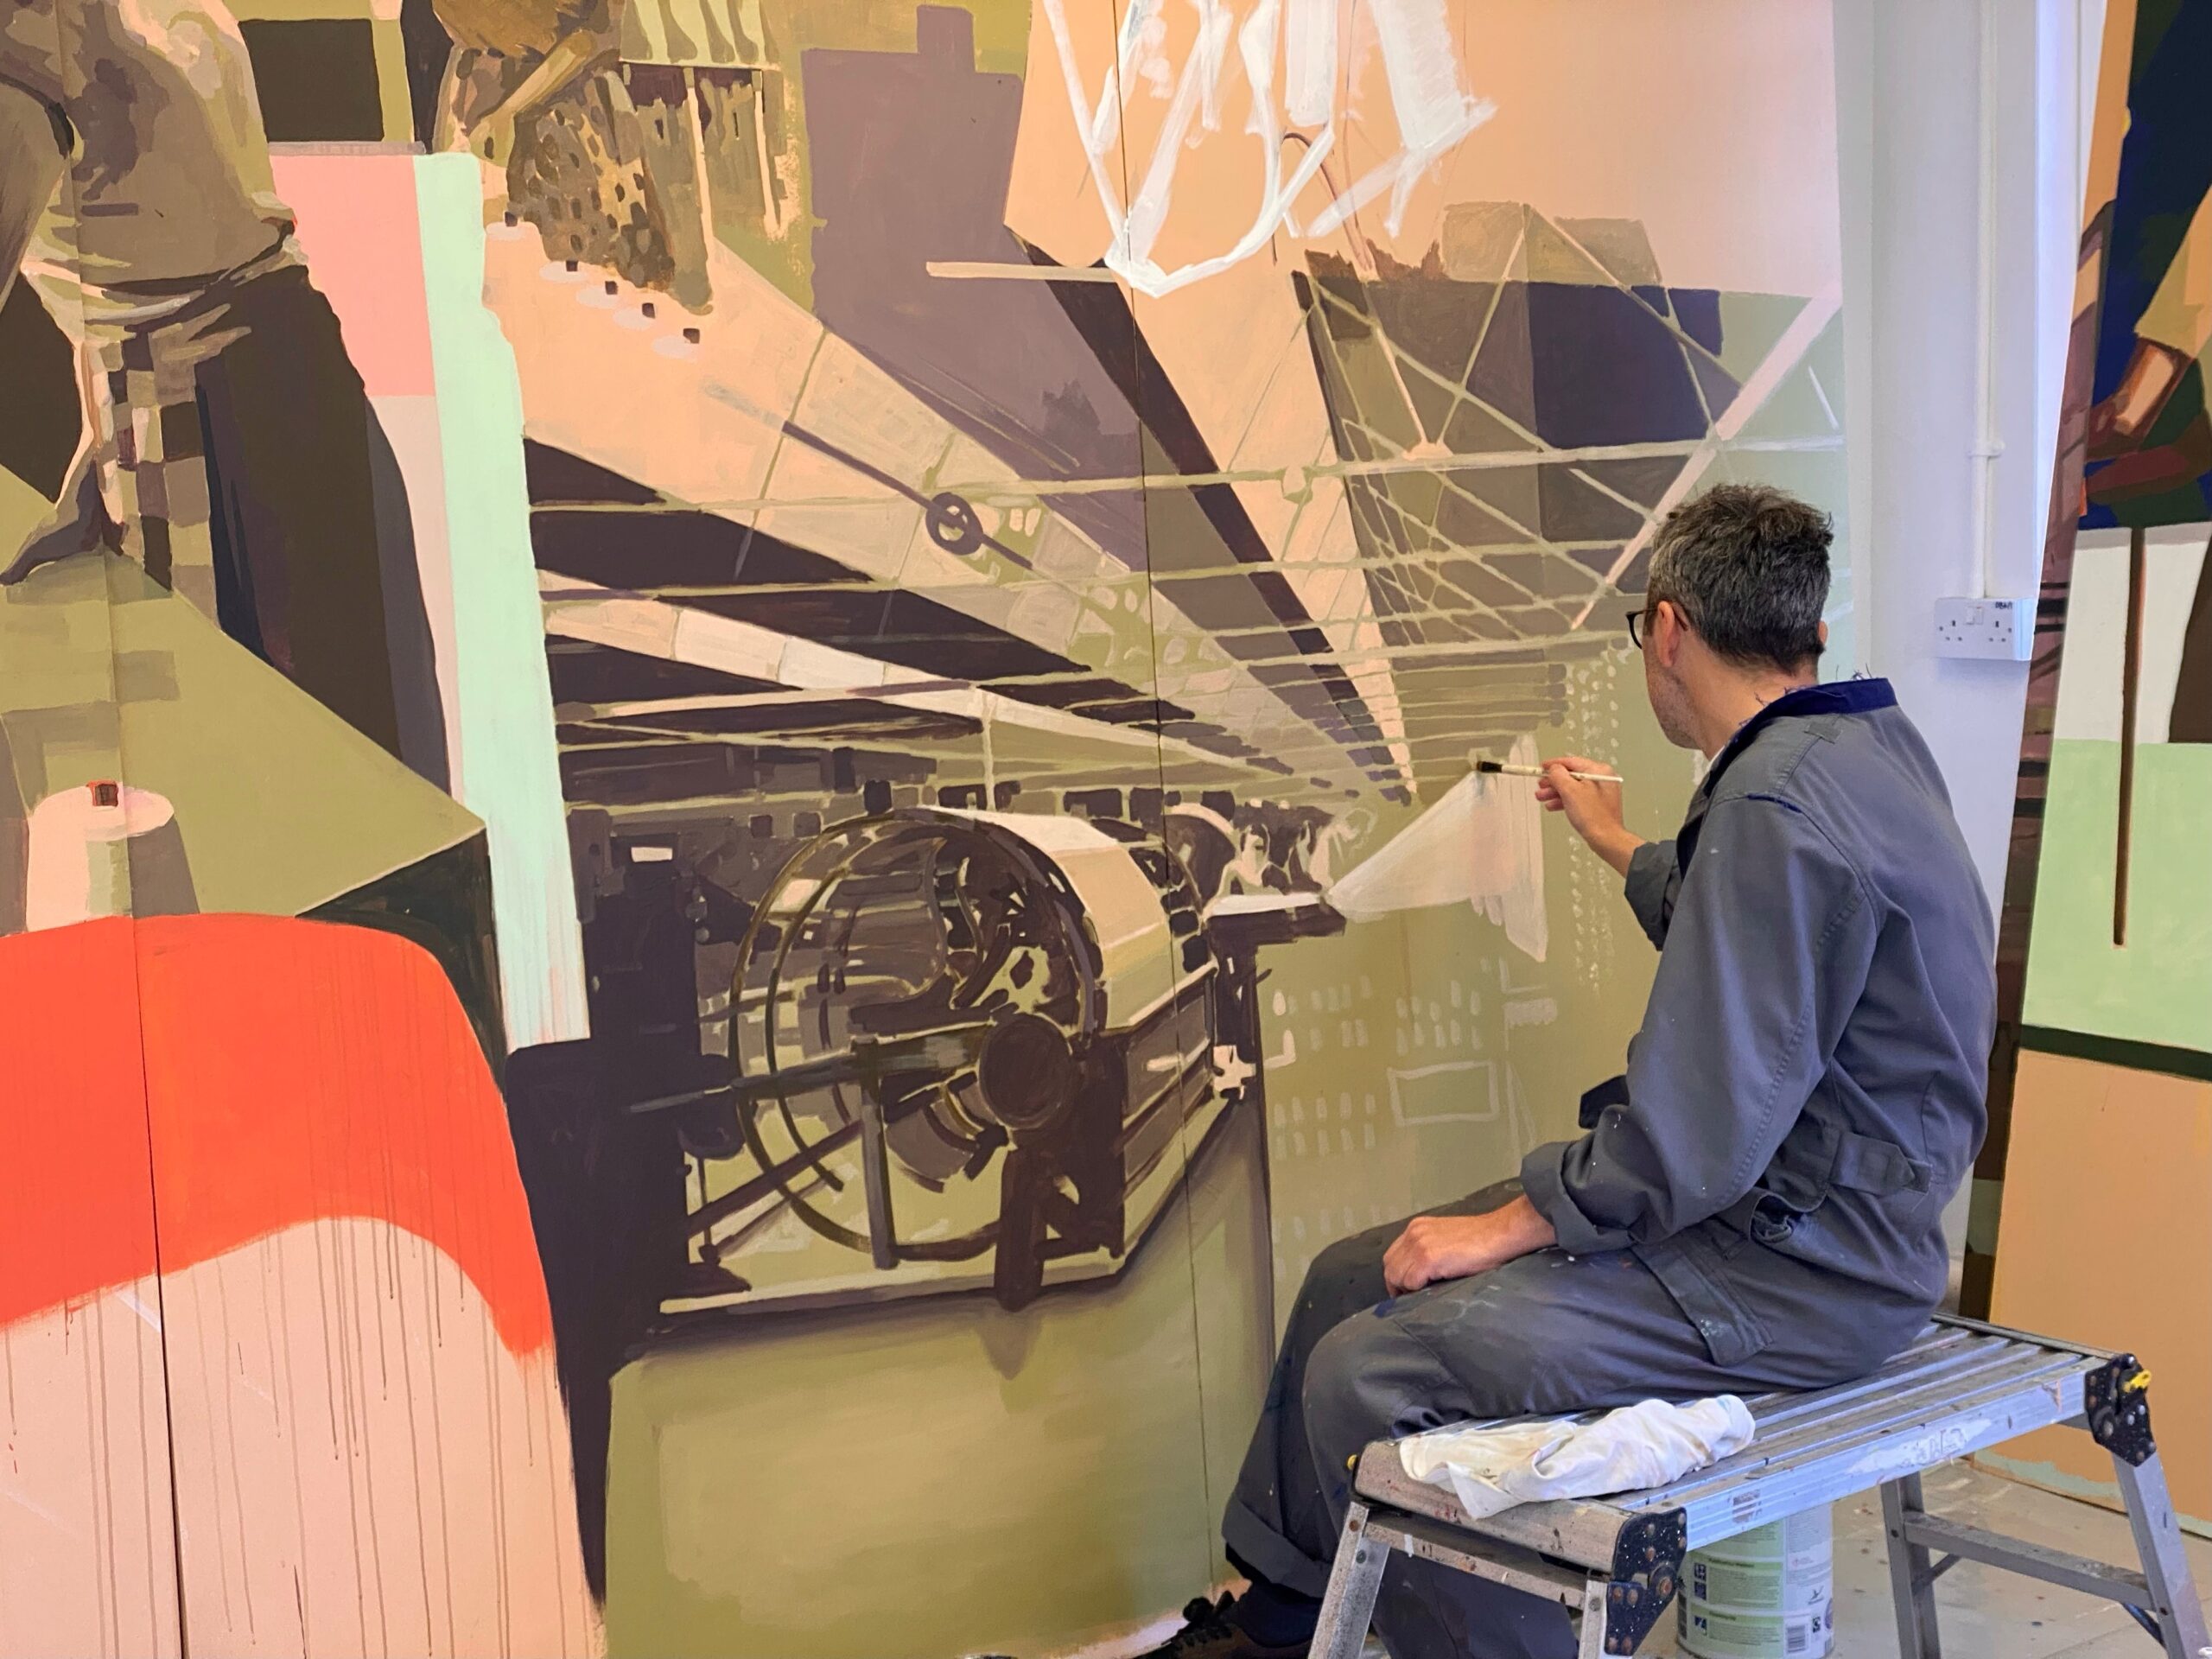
(2061, 140)
(2068, 36)
(1987, 446)
(1857, 29)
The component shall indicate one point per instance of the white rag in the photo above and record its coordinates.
(1625, 1450)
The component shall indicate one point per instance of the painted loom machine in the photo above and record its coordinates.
(950, 999)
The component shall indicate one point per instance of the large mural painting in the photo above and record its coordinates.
(737, 752)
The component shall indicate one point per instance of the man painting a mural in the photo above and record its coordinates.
(731, 729)
(1757, 1202)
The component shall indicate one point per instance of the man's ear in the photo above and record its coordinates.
(1820, 633)
(1667, 628)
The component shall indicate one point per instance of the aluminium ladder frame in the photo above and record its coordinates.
(1960, 1387)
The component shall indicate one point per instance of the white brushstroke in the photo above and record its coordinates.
(1309, 58)
(1214, 26)
(1149, 207)
(1143, 30)
(1087, 118)
(131, 1301)
(1432, 109)
(1257, 48)
(1415, 38)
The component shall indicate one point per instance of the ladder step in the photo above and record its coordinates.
(2093, 1578)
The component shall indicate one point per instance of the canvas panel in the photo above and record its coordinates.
(2106, 930)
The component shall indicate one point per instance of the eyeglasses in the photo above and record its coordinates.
(1638, 618)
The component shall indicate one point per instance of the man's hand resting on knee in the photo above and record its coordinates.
(1436, 1247)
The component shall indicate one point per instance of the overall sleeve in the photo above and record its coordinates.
(1766, 953)
(1654, 878)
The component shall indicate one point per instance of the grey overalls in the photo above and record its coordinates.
(1757, 1202)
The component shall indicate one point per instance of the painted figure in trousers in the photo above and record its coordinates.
(227, 445)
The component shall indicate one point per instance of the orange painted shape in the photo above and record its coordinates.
(293, 1071)
(2106, 1240)
(357, 221)
(76, 1189)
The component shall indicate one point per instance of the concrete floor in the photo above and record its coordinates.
(1985, 1614)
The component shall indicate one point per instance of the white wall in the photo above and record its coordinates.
(1910, 85)
(1955, 334)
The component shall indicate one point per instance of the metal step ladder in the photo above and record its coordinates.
(1617, 1562)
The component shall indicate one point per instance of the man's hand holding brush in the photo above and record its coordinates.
(1590, 795)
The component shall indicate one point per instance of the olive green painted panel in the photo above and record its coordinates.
(281, 805)
(774, 1493)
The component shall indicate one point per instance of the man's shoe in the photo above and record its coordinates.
(1209, 1632)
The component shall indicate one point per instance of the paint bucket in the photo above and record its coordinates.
(1763, 1594)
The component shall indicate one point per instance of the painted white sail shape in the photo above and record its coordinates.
(1482, 844)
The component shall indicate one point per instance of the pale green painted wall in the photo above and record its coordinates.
(506, 770)
(2158, 988)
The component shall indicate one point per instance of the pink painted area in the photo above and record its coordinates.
(357, 221)
(363, 1467)
(360, 1466)
(87, 1547)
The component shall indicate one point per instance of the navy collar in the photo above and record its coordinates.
(1856, 696)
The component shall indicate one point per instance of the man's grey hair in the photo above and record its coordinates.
(1748, 566)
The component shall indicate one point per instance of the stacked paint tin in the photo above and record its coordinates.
(1762, 1594)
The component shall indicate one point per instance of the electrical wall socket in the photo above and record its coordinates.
(2002, 630)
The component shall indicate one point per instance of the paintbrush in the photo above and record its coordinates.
(1512, 769)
